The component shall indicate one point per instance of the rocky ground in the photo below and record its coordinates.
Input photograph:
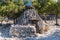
(52, 34)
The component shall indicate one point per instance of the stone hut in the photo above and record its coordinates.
(30, 16)
(28, 24)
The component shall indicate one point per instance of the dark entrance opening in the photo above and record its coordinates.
(34, 22)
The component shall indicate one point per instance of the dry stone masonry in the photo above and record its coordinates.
(22, 30)
(29, 23)
(30, 16)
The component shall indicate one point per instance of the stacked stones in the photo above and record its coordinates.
(31, 14)
(22, 30)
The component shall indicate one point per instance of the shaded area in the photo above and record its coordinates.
(4, 32)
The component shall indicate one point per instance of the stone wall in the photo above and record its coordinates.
(22, 31)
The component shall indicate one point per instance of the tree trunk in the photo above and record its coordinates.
(1, 23)
(57, 16)
(57, 13)
(57, 19)
(15, 20)
(45, 17)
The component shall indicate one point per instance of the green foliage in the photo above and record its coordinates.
(35, 2)
(13, 8)
(10, 7)
(44, 4)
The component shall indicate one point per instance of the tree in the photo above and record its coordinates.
(35, 3)
(2, 8)
(55, 8)
(10, 8)
(43, 7)
(57, 12)
(15, 9)
(48, 7)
